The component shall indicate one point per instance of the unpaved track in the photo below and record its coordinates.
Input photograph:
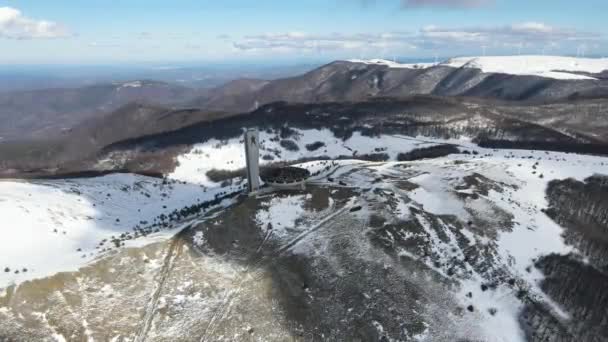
(221, 312)
(254, 270)
(173, 252)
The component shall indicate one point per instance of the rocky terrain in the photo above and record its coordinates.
(462, 247)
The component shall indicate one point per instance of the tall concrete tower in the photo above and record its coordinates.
(252, 155)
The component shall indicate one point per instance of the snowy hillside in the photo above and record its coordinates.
(394, 238)
(60, 225)
(544, 66)
(497, 197)
(445, 245)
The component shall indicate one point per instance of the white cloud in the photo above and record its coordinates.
(534, 33)
(434, 32)
(445, 3)
(532, 27)
(413, 4)
(530, 36)
(104, 45)
(14, 25)
(302, 42)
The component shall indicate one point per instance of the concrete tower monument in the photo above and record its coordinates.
(252, 155)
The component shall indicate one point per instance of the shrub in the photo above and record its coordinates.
(287, 132)
(219, 176)
(374, 157)
(428, 152)
(315, 146)
(290, 145)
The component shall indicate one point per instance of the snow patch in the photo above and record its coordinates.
(392, 64)
(281, 214)
(435, 197)
(134, 84)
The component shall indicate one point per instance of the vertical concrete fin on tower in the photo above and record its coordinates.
(252, 155)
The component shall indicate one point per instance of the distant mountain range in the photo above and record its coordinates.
(70, 130)
(540, 80)
(533, 79)
(43, 113)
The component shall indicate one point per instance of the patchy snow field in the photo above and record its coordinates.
(504, 215)
(229, 155)
(521, 178)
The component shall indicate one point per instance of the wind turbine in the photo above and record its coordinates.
(580, 51)
(483, 49)
(519, 46)
(383, 48)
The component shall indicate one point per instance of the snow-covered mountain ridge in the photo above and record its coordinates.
(556, 67)
(544, 66)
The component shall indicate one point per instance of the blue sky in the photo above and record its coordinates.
(118, 31)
